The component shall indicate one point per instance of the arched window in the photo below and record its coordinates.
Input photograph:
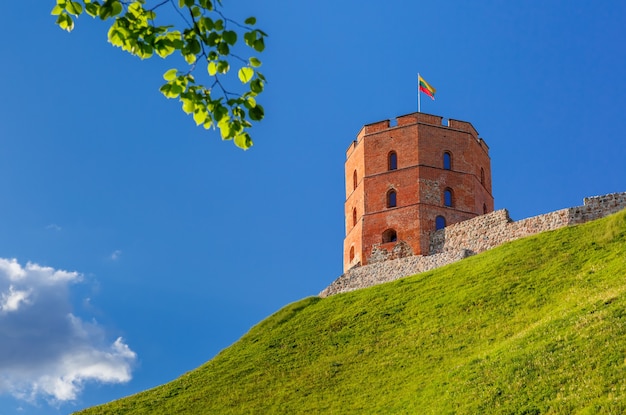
(392, 161)
(351, 254)
(354, 180)
(482, 176)
(484, 208)
(447, 198)
(447, 161)
(440, 222)
(354, 217)
(391, 199)
(390, 235)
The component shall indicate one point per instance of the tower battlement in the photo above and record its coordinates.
(415, 118)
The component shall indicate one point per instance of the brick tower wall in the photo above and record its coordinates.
(419, 140)
(354, 200)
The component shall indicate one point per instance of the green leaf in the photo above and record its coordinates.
(223, 49)
(207, 23)
(166, 89)
(105, 11)
(243, 141)
(212, 68)
(92, 9)
(189, 3)
(213, 39)
(176, 90)
(256, 113)
(245, 74)
(223, 67)
(56, 10)
(190, 58)
(116, 8)
(65, 22)
(175, 39)
(255, 62)
(200, 116)
(219, 112)
(256, 86)
(170, 75)
(144, 50)
(249, 38)
(250, 102)
(250, 20)
(188, 105)
(229, 37)
(116, 37)
(194, 46)
(164, 47)
(224, 126)
(259, 45)
(206, 4)
(136, 10)
(74, 8)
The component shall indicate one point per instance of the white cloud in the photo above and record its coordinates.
(116, 255)
(11, 269)
(45, 350)
(11, 300)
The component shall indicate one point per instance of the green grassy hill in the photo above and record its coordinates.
(537, 326)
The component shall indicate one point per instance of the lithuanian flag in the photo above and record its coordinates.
(425, 87)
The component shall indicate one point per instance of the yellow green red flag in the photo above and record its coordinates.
(425, 87)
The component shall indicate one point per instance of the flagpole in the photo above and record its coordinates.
(418, 93)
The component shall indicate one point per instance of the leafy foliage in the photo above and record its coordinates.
(536, 326)
(205, 39)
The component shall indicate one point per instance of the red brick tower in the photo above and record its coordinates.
(405, 181)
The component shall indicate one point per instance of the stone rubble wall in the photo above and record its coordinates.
(379, 272)
(493, 229)
(473, 236)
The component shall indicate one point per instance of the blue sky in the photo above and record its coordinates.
(135, 246)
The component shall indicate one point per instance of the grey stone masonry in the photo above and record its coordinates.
(379, 272)
(493, 229)
(473, 236)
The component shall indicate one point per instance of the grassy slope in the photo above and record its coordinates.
(536, 326)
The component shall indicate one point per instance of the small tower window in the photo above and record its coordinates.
(351, 254)
(354, 217)
(484, 208)
(390, 235)
(440, 222)
(447, 161)
(354, 180)
(482, 176)
(447, 198)
(392, 161)
(391, 199)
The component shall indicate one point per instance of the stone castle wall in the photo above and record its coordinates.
(473, 236)
(488, 231)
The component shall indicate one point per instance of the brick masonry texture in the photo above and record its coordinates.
(419, 177)
(470, 237)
